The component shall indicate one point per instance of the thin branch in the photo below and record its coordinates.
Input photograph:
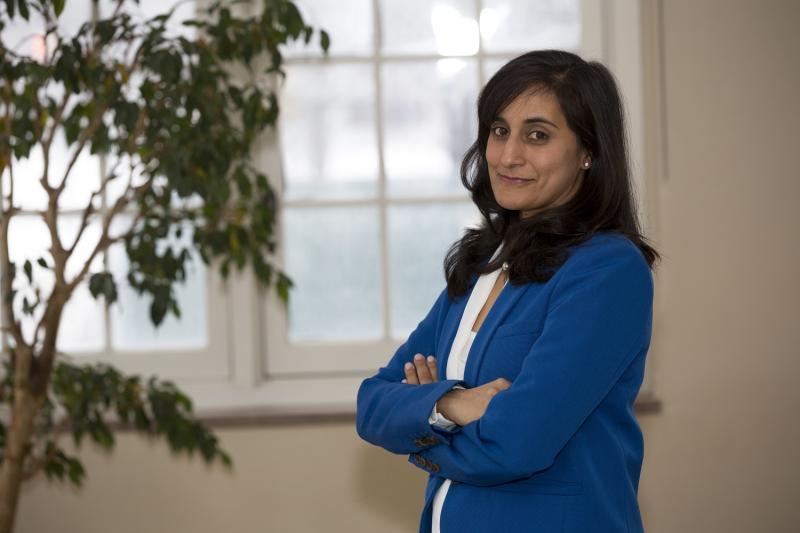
(48, 139)
(102, 244)
(9, 321)
(63, 290)
(46, 170)
(10, 196)
(98, 118)
(85, 215)
(139, 128)
(90, 130)
(7, 95)
(36, 464)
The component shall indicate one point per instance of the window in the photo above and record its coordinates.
(366, 163)
(121, 334)
(370, 143)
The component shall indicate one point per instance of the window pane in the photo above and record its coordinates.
(430, 120)
(68, 226)
(327, 131)
(26, 37)
(28, 191)
(490, 66)
(131, 328)
(84, 177)
(121, 170)
(29, 239)
(447, 27)
(83, 323)
(147, 9)
(348, 22)
(521, 25)
(332, 255)
(416, 264)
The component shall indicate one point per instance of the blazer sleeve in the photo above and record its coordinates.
(394, 415)
(598, 320)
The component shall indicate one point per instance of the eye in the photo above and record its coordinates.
(537, 135)
(498, 131)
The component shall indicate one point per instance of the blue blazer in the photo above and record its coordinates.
(560, 450)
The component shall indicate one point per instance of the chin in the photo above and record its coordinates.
(512, 205)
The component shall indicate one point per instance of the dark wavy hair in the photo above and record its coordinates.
(537, 246)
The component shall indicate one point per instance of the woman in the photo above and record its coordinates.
(541, 334)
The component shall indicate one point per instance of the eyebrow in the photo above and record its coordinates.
(530, 120)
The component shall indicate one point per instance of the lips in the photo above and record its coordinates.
(513, 179)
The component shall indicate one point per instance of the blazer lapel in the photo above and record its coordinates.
(450, 327)
(497, 313)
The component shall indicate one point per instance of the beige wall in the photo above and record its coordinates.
(722, 456)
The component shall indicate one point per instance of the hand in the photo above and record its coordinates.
(463, 406)
(421, 371)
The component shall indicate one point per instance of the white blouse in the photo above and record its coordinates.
(457, 362)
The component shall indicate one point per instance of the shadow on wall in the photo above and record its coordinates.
(389, 488)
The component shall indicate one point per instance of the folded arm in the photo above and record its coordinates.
(393, 414)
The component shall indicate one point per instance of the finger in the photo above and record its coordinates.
(432, 368)
(423, 374)
(411, 374)
(501, 384)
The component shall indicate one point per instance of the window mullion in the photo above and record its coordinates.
(382, 206)
(480, 55)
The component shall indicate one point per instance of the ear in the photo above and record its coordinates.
(585, 160)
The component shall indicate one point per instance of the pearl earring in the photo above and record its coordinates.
(586, 164)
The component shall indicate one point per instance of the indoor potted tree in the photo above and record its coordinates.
(176, 130)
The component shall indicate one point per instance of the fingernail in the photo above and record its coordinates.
(409, 366)
(418, 357)
(431, 359)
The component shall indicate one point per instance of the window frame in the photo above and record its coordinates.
(276, 383)
(244, 373)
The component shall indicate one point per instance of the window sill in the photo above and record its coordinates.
(302, 401)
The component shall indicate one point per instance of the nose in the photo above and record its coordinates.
(512, 154)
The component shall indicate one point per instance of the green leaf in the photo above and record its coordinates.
(76, 472)
(27, 307)
(28, 268)
(103, 284)
(158, 309)
(58, 6)
(23, 9)
(283, 286)
(11, 7)
(324, 40)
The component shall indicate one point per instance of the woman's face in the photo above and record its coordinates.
(535, 161)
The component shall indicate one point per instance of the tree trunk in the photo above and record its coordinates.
(11, 470)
